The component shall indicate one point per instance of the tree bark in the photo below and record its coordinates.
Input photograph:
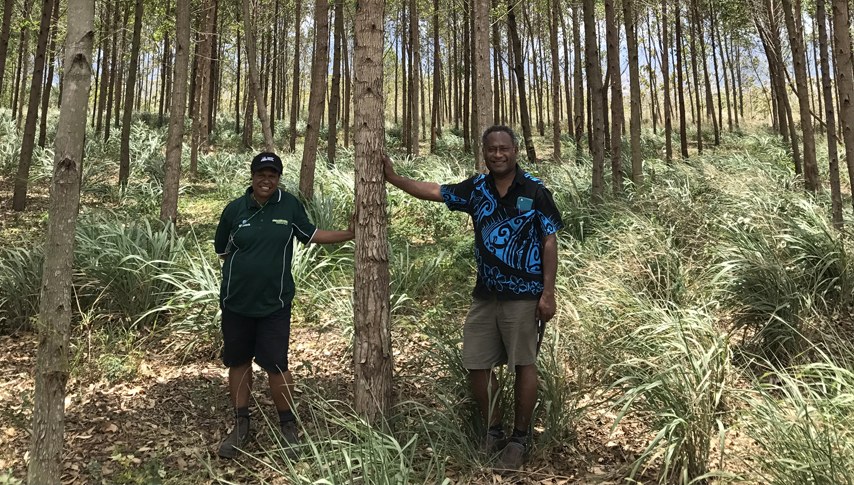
(175, 136)
(48, 83)
(335, 95)
(23, 65)
(372, 354)
(202, 69)
(827, 92)
(103, 86)
(665, 72)
(483, 87)
(124, 165)
(5, 33)
(630, 21)
(845, 80)
(437, 66)
(295, 79)
(519, 70)
(414, 78)
(52, 366)
(255, 82)
(347, 87)
(28, 141)
(317, 98)
(555, 80)
(612, 39)
(597, 115)
(695, 33)
(796, 41)
(578, 121)
(680, 91)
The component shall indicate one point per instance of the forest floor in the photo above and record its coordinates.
(165, 423)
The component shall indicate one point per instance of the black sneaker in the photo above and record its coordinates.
(492, 444)
(290, 438)
(512, 458)
(236, 440)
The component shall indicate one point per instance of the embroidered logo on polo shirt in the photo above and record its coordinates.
(284, 222)
(245, 223)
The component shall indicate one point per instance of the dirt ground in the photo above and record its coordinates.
(165, 424)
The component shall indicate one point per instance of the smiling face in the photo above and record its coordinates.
(264, 184)
(500, 154)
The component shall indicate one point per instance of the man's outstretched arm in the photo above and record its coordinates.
(416, 188)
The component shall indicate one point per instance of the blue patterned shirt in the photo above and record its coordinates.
(508, 242)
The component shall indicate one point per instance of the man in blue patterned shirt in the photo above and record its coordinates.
(515, 223)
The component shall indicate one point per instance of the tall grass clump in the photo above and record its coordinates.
(780, 266)
(122, 261)
(20, 285)
(803, 419)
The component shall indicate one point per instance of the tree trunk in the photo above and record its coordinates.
(519, 70)
(124, 165)
(414, 78)
(202, 69)
(121, 68)
(255, 83)
(827, 91)
(483, 87)
(710, 102)
(578, 121)
(347, 84)
(695, 33)
(5, 33)
(103, 86)
(612, 39)
(295, 79)
(437, 66)
(845, 81)
(48, 84)
(335, 95)
(52, 366)
(174, 139)
(467, 74)
(555, 80)
(594, 82)
(317, 97)
(680, 91)
(796, 41)
(665, 72)
(372, 354)
(630, 20)
(19, 200)
(23, 65)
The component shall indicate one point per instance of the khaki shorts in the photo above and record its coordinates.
(500, 332)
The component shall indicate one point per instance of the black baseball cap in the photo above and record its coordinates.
(267, 160)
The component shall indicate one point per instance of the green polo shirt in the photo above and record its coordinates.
(257, 243)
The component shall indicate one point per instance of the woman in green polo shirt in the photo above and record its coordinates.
(255, 240)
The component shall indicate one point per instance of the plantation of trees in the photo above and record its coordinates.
(700, 154)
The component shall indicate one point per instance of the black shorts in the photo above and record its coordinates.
(264, 338)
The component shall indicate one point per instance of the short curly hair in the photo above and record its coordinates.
(505, 129)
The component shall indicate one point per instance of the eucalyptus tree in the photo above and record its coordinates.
(175, 136)
(28, 141)
(844, 80)
(54, 322)
(316, 99)
(124, 164)
(372, 353)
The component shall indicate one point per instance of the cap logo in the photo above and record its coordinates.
(267, 159)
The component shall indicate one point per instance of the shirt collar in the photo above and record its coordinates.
(274, 199)
(518, 180)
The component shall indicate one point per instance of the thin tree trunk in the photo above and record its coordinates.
(237, 89)
(695, 32)
(578, 121)
(630, 20)
(317, 98)
(414, 78)
(5, 33)
(255, 83)
(51, 374)
(519, 70)
(827, 91)
(594, 82)
(202, 68)
(680, 91)
(120, 71)
(113, 71)
(483, 87)
(124, 165)
(347, 87)
(175, 136)
(467, 74)
(665, 72)
(295, 79)
(710, 102)
(796, 40)
(28, 141)
(845, 80)
(612, 39)
(48, 84)
(372, 354)
(23, 64)
(102, 87)
(555, 80)
(335, 95)
(437, 66)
